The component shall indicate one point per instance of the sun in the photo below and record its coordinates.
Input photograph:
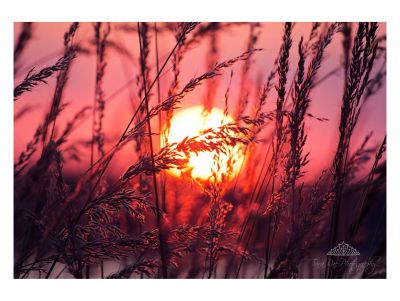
(190, 122)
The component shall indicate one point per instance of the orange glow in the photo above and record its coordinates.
(191, 122)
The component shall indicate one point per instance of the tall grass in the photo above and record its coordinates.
(264, 220)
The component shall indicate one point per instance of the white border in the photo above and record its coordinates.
(200, 10)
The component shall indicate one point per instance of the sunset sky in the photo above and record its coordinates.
(46, 48)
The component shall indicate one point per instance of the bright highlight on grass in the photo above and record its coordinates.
(190, 122)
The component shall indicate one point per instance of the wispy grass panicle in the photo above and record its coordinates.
(144, 63)
(282, 70)
(245, 80)
(143, 81)
(266, 90)
(363, 56)
(346, 44)
(23, 40)
(212, 59)
(102, 32)
(311, 38)
(62, 79)
(296, 118)
(34, 79)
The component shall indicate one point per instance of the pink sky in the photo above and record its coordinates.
(326, 98)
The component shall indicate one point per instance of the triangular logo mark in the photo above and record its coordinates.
(343, 249)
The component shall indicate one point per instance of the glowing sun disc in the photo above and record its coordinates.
(191, 122)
